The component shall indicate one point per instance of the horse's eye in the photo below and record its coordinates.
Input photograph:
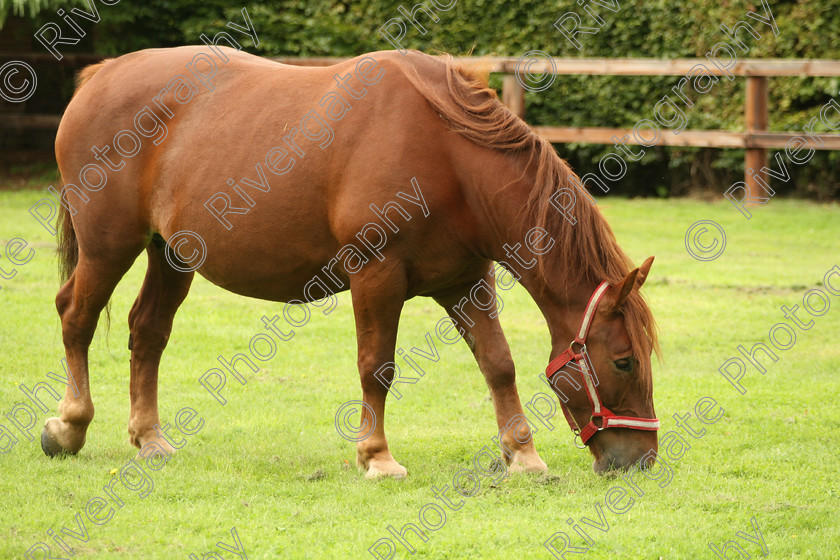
(625, 364)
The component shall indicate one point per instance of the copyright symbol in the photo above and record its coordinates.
(535, 81)
(25, 86)
(176, 259)
(695, 246)
(346, 429)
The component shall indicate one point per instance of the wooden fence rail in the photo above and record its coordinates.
(756, 139)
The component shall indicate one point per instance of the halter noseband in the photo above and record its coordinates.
(608, 419)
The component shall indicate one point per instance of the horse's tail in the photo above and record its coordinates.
(68, 245)
(86, 73)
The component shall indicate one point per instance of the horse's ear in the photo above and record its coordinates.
(643, 272)
(625, 288)
(635, 279)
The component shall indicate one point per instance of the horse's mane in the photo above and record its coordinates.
(590, 251)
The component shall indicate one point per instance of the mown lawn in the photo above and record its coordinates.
(271, 464)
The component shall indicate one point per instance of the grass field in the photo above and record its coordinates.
(271, 464)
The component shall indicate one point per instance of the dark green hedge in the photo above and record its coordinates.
(643, 28)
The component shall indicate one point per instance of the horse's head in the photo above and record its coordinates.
(613, 407)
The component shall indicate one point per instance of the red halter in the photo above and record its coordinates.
(608, 419)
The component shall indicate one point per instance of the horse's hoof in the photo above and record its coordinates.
(530, 462)
(386, 469)
(50, 446)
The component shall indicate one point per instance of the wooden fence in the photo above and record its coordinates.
(756, 139)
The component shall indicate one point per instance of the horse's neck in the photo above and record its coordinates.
(501, 185)
(517, 243)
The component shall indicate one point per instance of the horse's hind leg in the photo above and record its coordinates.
(378, 294)
(150, 322)
(79, 303)
(487, 342)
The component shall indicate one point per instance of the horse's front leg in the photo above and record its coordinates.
(378, 292)
(483, 334)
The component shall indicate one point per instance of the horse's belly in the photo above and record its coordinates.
(272, 267)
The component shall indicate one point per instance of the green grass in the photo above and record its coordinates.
(271, 464)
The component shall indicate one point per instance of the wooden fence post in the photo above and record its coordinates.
(513, 95)
(755, 116)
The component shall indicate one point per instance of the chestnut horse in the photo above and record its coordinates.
(487, 182)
